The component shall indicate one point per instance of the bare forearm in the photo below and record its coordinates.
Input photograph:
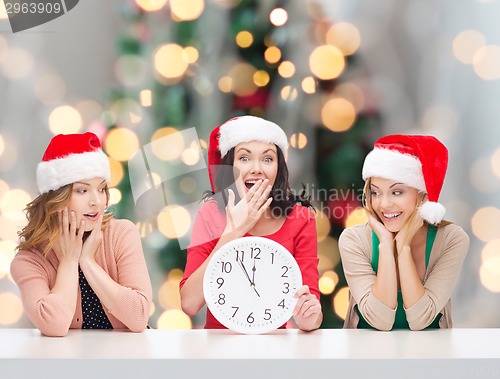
(385, 285)
(192, 299)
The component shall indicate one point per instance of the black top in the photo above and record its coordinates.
(94, 316)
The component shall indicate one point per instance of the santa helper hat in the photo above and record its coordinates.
(238, 130)
(417, 161)
(70, 158)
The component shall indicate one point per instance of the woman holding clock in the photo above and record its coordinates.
(402, 266)
(251, 197)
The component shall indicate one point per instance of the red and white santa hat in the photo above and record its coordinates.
(69, 158)
(237, 130)
(417, 161)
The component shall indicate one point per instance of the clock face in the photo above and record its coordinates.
(250, 283)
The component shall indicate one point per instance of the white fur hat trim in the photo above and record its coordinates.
(250, 128)
(56, 173)
(389, 164)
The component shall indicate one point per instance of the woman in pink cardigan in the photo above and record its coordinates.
(78, 267)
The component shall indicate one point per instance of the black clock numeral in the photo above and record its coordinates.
(222, 299)
(285, 270)
(220, 282)
(236, 310)
(272, 258)
(287, 287)
(267, 313)
(226, 267)
(282, 304)
(238, 252)
(250, 318)
(257, 250)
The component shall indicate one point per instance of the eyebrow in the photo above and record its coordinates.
(249, 151)
(243, 148)
(88, 184)
(395, 184)
(269, 150)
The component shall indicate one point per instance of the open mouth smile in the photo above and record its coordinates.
(91, 216)
(250, 183)
(391, 216)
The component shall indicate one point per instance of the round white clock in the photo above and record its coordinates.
(250, 283)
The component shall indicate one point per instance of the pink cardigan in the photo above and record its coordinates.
(120, 255)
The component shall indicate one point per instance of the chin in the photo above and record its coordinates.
(88, 228)
(392, 228)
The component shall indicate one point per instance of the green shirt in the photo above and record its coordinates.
(400, 321)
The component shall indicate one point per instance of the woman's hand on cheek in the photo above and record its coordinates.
(379, 228)
(69, 243)
(93, 241)
(406, 234)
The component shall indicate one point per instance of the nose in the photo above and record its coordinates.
(94, 200)
(385, 202)
(256, 169)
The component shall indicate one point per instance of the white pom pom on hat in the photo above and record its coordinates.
(70, 158)
(415, 160)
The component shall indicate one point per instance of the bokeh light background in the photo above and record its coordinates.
(434, 67)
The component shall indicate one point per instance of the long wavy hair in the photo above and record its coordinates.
(42, 231)
(283, 198)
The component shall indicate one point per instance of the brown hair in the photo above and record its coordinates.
(42, 230)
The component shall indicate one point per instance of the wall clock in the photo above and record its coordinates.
(250, 283)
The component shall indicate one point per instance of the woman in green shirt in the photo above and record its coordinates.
(402, 266)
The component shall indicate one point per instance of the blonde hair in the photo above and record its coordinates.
(367, 198)
(42, 231)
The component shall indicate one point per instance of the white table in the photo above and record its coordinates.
(328, 353)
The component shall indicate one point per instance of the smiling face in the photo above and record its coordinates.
(392, 202)
(88, 200)
(254, 161)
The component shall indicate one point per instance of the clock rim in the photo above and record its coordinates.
(229, 245)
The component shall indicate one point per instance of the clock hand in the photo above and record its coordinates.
(253, 278)
(242, 265)
(255, 289)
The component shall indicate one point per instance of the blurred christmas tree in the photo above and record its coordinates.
(197, 63)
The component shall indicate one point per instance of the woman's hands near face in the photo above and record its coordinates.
(93, 240)
(70, 245)
(406, 234)
(244, 215)
(378, 227)
(70, 239)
